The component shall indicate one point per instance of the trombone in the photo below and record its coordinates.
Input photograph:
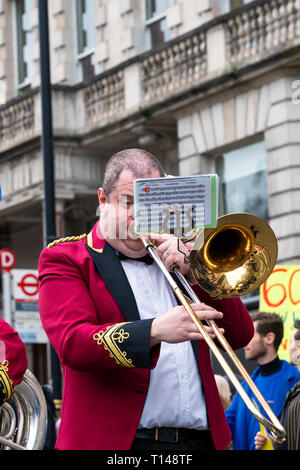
(231, 260)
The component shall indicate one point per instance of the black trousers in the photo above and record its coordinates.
(203, 442)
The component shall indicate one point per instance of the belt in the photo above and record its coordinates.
(170, 434)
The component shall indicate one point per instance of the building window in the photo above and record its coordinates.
(24, 42)
(238, 3)
(157, 30)
(243, 188)
(224, 6)
(243, 181)
(87, 36)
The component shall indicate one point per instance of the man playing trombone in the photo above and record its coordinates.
(137, 373)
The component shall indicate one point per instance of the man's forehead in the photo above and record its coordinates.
(125, 187)
(126, 180)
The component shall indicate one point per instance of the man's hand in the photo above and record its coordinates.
(176, 325)
(167, 250)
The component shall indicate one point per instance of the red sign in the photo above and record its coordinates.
(7, 260)
(29, 285)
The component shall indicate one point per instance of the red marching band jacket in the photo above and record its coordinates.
(13, 360)
(89, 313)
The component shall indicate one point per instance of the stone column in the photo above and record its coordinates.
(59, 219)
(35, 49)
(63, 45)
(7, 83)
(282, 138)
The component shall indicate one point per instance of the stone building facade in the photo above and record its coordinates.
(208, 86)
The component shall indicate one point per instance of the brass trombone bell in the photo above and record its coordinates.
(234, 258)
(228, 247)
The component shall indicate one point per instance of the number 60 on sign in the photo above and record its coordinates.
(282, 289)
(281, 294)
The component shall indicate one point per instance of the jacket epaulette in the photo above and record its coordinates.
(67, 239)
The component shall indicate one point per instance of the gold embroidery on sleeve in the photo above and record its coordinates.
(111, 338)
(5, 382)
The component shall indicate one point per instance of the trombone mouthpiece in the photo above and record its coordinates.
(145, 239)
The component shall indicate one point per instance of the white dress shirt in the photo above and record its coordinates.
(175, 396)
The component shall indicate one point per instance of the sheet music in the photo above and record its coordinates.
(176, 204)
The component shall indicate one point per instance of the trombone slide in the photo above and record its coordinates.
(274, 424)
(275, 427)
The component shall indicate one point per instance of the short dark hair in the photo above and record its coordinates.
(297, 324)
(297, 334)
(138, 161)
(269, 322)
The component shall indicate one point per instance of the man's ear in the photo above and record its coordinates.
(101, 196)
(270, 338)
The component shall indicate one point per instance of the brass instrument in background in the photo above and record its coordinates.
(231, 260)
(23, 419)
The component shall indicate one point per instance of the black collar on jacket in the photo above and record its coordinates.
(110, 268)
(113, 274)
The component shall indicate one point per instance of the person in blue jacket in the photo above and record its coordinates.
(273, 377)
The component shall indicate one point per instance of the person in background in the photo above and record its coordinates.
(51, 433)
(290, 417)
(294, 349)
(224, 390)
(225, 395)
(13, 360)
(273, 377)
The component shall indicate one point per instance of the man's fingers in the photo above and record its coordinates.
(197, 335)
(160, 237)
(204, 311)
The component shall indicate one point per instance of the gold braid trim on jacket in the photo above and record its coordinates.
(6, 388)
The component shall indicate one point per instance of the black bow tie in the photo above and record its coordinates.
(145, 259)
